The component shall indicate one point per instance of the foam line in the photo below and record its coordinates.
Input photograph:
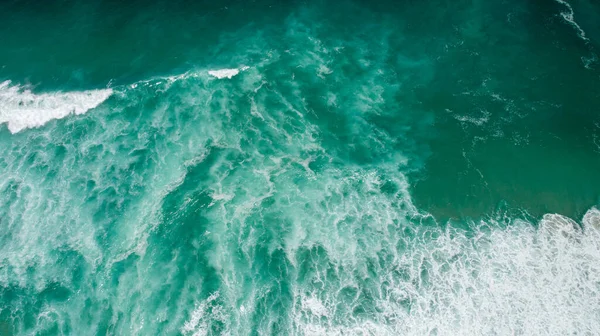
(569, 16)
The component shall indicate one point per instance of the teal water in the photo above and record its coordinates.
(300, 168)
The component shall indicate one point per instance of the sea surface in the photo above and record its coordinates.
(310, 167)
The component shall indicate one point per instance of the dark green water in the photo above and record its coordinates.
(300, 168)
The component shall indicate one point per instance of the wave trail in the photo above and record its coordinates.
(569, 16)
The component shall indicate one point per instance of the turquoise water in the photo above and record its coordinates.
(300, 168)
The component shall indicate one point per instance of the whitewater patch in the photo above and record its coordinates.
(227, 73)
(516, 280)
(20, 108)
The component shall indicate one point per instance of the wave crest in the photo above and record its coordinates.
(20, 108)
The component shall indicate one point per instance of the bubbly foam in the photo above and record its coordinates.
(205, 314)
(507, 281)
(20, 108)
(226, 73)
(515, 280)
(224, 209)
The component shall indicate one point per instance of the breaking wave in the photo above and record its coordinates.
(20, 108)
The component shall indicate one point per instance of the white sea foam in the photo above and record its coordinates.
(516, 280)
(206, 313)
(226, 73)
(507, 281)
(569, 16)
(367, 278)
(20, 108)
(314, 306)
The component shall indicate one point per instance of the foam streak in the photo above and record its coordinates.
(569, 16)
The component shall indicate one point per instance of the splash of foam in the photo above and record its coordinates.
(226, 73)
(20, 108)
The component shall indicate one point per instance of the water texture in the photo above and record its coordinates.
(300, 168)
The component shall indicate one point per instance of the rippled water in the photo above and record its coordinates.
(305, 168)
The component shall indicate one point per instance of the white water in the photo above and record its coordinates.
(226, 73)
(518, 280)
(20, 108)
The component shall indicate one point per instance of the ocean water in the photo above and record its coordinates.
(300, 167)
